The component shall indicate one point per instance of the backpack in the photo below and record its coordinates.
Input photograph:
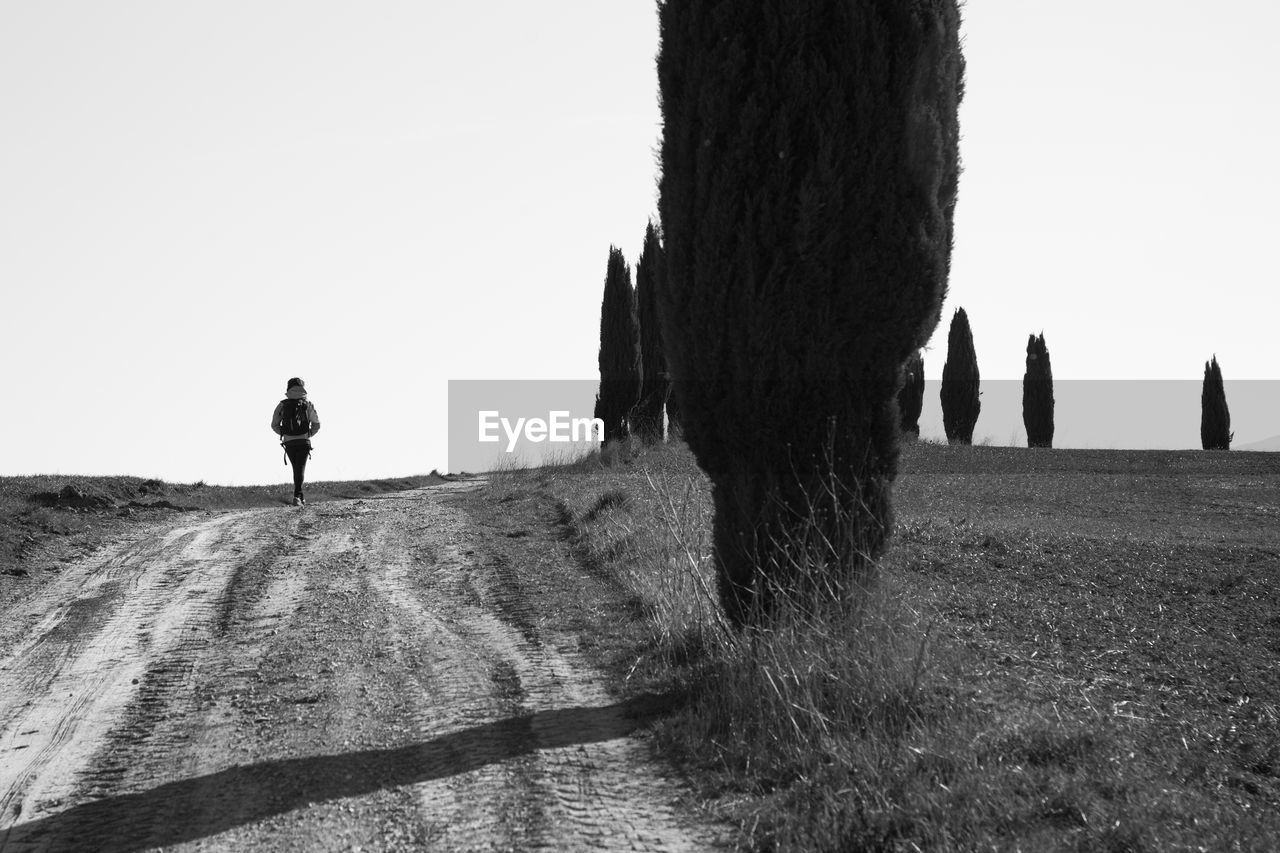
(295, 418)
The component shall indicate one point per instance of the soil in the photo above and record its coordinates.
(374, 674)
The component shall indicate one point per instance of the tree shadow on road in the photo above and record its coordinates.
(190, 809)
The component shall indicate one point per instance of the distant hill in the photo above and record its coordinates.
(1270, 444)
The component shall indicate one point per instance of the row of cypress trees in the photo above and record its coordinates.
(961, 397)
(961, 401)
(634, 386)
(620, 362)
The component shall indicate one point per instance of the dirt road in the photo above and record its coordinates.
(358, 675)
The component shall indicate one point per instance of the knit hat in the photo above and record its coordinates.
(295, 381)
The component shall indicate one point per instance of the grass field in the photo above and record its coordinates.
(1070, 650)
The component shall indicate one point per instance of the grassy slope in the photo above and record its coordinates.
(1072, 650)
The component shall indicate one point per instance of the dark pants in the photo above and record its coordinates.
(297, 451)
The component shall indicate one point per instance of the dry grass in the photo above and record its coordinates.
(1070, 650)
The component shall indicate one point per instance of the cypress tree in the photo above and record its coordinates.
(1037, 394)
(1215, 420)
(960, 394)
(911, 397)
(619, 349)
(808, 184)
(654, 384)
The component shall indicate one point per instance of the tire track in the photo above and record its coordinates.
(355, 674)
(110, 647)
(569, 782)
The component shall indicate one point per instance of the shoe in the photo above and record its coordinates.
(297, 501)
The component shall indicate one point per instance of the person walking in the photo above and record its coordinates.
(295, 421)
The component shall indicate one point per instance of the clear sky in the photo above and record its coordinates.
(199, 200)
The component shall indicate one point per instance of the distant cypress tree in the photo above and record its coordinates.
(960, 394)
(911, 397)
(1215, 420)
(654, 385)
(808, 187)
(1037, 394)
(619, 349)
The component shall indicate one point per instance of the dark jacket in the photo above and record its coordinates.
(277, 417)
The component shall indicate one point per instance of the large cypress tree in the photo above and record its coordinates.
(1037, 394)
(619, 349)
(911, 397)
(654, 385)
(1215, 420)
(960, 394)
(808, 186)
